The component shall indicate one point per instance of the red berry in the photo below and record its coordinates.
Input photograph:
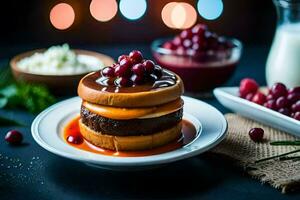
(136, 56)
(249, 96)
(169, 45)
(180, 50)
(149, 66)
(108, 72)
(281, 102)
(271, 104)
(124, 68)
(138, 69)
(296, 107)
(196, 47)
(124, 82)
(122, 57)
(186, 34)
(197, 39)
(285, 111)
(297, 116)
(14, 137)
(256, 134)
(294, 90)
(177, 41)
(278, 90)
(247, 86)
(199, 29)
(293, 97)
(259, 98)
(75, 139)
(187, 43)
(270, 97)
(136, 79)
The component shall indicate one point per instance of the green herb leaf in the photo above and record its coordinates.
(286, 143)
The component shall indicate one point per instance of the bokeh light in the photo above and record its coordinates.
(62, 16)
(179, 15)
(133, 9)
(191, 15)
(167, 12)
(103, 10)
(210, 9)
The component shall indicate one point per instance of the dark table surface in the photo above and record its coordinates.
(30, 172)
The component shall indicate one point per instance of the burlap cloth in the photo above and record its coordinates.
(284, 175)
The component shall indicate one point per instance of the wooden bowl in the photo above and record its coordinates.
(58, 84)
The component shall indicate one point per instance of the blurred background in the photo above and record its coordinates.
(104, 22)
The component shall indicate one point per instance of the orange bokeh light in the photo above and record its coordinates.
(166, 14)
(179, 15)
(103, 10)
(191, 15)
(62, 16)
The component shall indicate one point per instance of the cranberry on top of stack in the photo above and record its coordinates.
(196, 40)
(278, 98)
(132, 70)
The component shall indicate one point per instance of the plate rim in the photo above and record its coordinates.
(35, 133)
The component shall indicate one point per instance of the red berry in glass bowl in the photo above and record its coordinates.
(74, 139)
(259, 98)
(169, 45)
(122, 57)
(14, 137)
(271, 104)
(108, 72)
(177, 41)
(297, 116)
(149, 66)
(138, 69)
(199, 29)
(197, 39)
(247, 86)
(180, 50)
(187, 43)
(136, 56)
(285, 111)
(256, 134)
(278, 90)
(282, 102)
(123, 81)
(186, 34)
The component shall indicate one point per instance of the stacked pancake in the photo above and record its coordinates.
(137, 116)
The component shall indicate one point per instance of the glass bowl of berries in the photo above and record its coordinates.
(200, 57)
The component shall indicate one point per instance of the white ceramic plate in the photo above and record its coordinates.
(47, 132)
(228, 97)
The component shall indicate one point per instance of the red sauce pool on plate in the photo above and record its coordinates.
(189, 133)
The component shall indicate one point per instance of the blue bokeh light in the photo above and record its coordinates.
(210, 9)
(133, 9)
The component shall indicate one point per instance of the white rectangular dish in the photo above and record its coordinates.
(228, 97)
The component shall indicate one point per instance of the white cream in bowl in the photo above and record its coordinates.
(59, 60)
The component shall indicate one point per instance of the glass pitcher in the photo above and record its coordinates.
(283, 63)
